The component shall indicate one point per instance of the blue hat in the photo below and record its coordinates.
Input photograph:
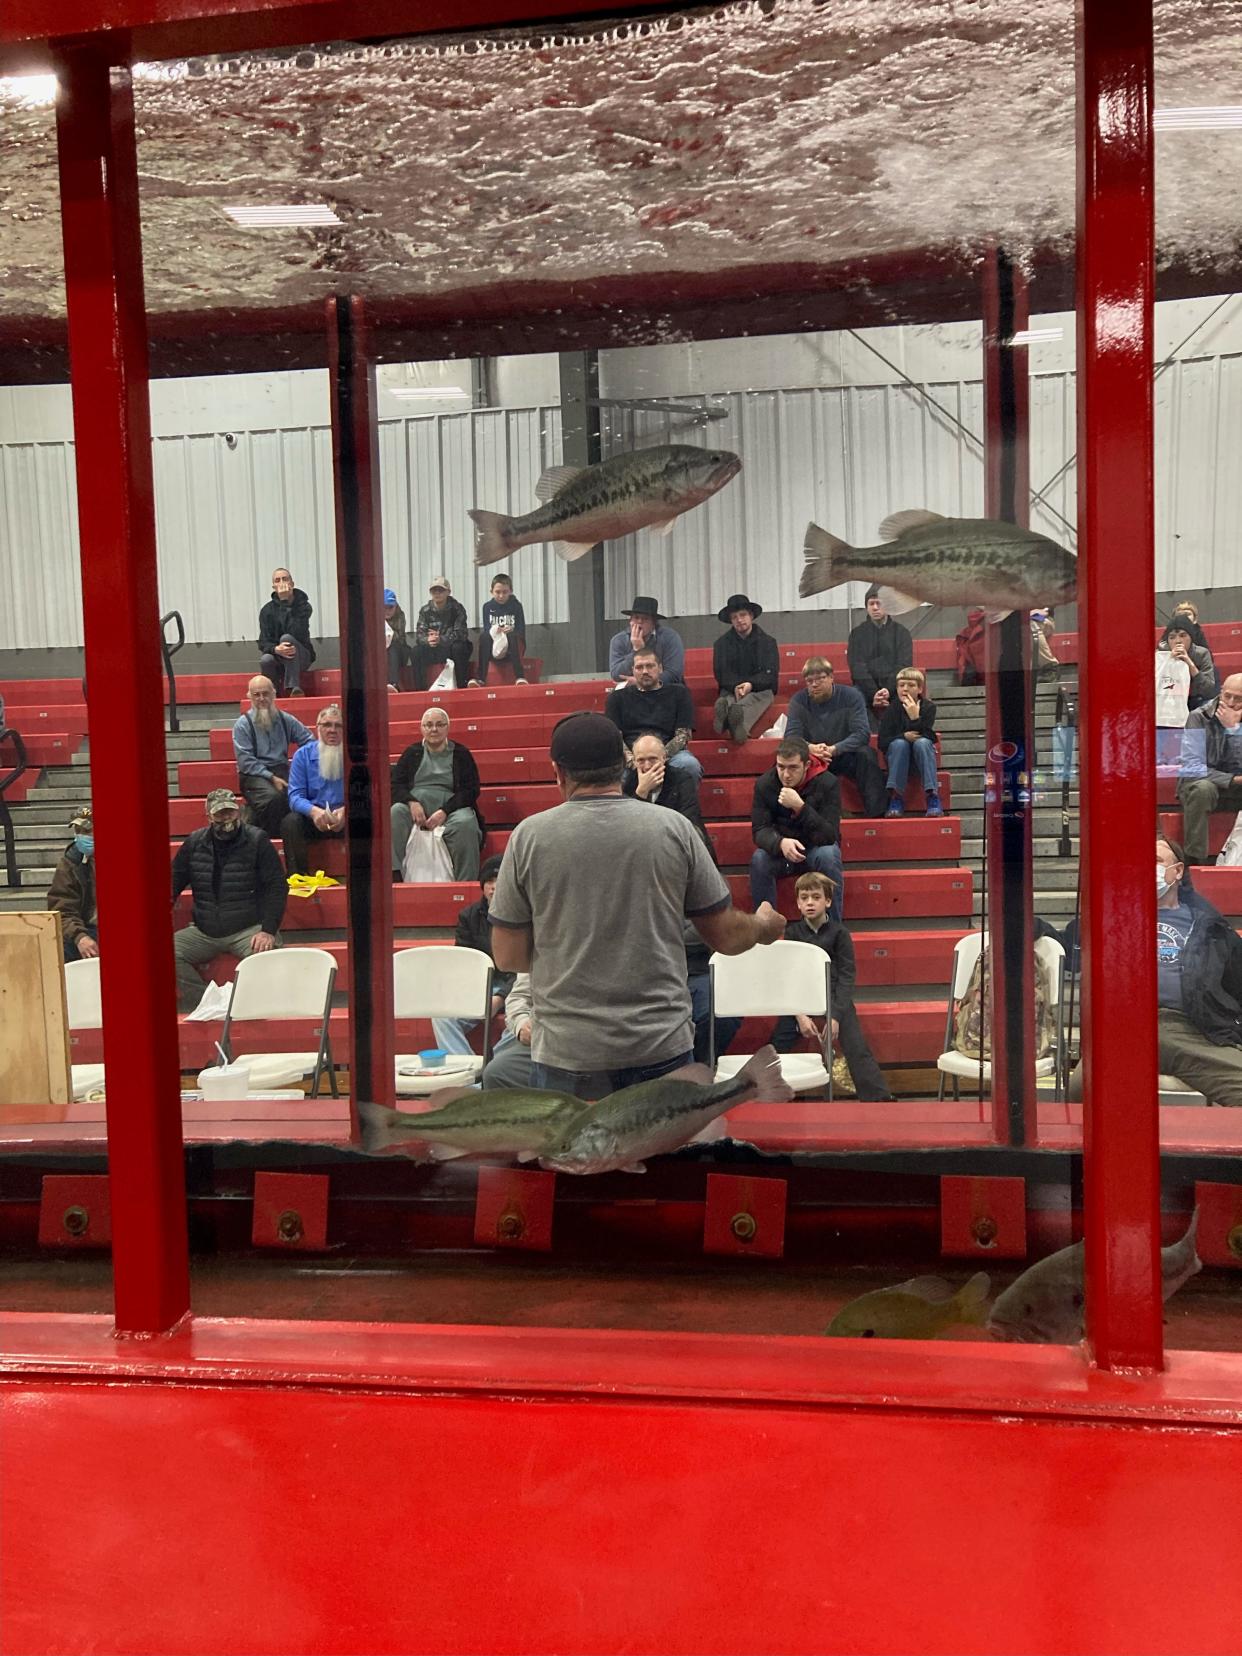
(390, 597)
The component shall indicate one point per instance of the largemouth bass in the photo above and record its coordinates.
(504, 1121)
(1046, 1305)
(962, 562)
(916, 1310)
(659, 1116)
(583, 506)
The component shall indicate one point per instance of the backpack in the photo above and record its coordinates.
(974, 1012)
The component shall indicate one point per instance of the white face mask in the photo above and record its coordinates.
(1162, 885)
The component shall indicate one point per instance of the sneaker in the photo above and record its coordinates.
(475, 684)
(896, 806)
(934, 807)
(296, 692)
(393, 689)
(521, 681)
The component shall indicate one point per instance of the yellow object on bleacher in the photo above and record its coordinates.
(306, 885)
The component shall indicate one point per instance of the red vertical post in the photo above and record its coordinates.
(1010, 746)
(120, 603)
(1116, 539)
(364, 681)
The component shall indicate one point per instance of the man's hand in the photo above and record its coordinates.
(740, 690)
(637, 636)
(498, 1005)
(524, 1034)
(88, 949)
(808, 1028)
(910, 703)
(437, 819)
(793, 850)
(278, 782)
(771, 924)
(419, 815)
(261, 942)
(650, 782)
(321, 818)
(1179, 652)
(880, 699)
(288, 651)
(822, 750)
(836, 1028)
(911, 735)
(791, 799)
(1230, 717)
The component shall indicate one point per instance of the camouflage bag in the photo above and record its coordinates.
(972, 1023)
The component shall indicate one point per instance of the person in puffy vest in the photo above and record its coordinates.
(238, 888)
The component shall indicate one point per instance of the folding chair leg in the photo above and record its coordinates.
(940, 1091)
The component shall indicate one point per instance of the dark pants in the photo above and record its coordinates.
(595, 1084)
(398, 660)
(71, 943)
(700, 986)
(286, 672)
(866, 1074)
(1199, 797)
(1184, 1050)
(298, 832)
(863, 768)
(513, 654)
(267, 802)
(426, 661)
(766, 870)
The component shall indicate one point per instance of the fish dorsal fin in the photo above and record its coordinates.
(666, 528)
(895, 602)
(929, 1288)
(569, 550)
(554, 480)
(697, 1074)
(897, 524)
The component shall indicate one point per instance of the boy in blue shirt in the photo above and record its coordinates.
(502, 612)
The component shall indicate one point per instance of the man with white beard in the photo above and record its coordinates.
(316, 791)
(261, 742)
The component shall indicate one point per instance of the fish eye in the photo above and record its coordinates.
(868, 1333)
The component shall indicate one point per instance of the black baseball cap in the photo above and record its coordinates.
(586, 742)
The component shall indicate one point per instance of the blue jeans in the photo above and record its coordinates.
(898, 757)
(766, 870)
(686, 761)
(452, 1034)
(594, 1084)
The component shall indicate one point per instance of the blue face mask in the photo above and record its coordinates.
(85, 844)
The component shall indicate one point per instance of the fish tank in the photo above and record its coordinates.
(626, 683)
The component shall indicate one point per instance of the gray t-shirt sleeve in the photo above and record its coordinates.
(510, 906)
(706, 891)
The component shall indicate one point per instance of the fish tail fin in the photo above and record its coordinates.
(1189, 1244)
(972, 1298)
(379, 1127)
(824, 556)
(762, 1077)
(491, 536)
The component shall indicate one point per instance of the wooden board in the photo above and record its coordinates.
(34, 1029)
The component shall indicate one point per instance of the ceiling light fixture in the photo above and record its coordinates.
(282, 217)
(412, 392)
(1034, 336)
(1208, 118)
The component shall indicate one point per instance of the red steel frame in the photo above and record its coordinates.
(1115, 413)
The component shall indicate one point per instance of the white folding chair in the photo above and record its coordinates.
(442, 981)
(956, 1064)
(284, 983)
(84, 1008)
(782, 979)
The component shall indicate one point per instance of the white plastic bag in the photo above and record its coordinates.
(1231, 852)
(214, 1004)
(500, 641)
(426, 857)
(447, 679)
(776, 731)
(1172, 691)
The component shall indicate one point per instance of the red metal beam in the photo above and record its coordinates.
(364, 700)
(120, 603)
(1116, 610)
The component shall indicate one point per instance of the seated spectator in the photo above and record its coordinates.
(1211, 765)
(656, 782)
(502, 637)
(699, 983)
(510, 1063)
(795, 821)
(1178, 643)
(285, 648)
(442, 634)
(316, 791)
(832, 720)
(435, 784)
(72, 891)
(398, 644)
(815, 926)
(647, 627)
(747, 668)
(878, 649)
(908, 732)
(1044, 664)
(262, 738)
(239, 892)
(474, 932)
(664, 709)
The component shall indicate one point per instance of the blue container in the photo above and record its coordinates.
(432, 1057)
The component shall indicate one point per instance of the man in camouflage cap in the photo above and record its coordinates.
(72, 891)
(239, 891)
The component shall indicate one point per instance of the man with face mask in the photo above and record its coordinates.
(72, 891)
(239, 893)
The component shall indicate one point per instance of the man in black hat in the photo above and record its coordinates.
(747, 669)
(646, 626)
(878, 649)
(592, 900)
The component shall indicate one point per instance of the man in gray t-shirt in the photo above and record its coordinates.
(591, 900)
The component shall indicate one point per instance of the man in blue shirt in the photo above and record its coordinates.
(646, 629)
(261, 742)
(832, 720)
(316, 791)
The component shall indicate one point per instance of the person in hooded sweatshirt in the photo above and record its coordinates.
(72, 891)
(878, 649)
(285, 648)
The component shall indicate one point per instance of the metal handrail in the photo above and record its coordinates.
(169, 651)
(6, 816)
(1067, 717)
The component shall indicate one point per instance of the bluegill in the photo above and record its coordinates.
(1047, 1303)
(960, 562)
(585, 505)
(916, 1310)
(659, 1116)
(505, 1121)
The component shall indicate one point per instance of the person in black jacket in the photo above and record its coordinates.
(658, 783)
(877, 649)
(285, 648)
(239, 892)
(441, 634)
(474, 932)
(795, 821)
(436, 783)
(814, 896)
(747, 669)
(908, 733)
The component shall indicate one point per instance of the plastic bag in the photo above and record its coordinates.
(427, 857)
(777, 730)
(500, 641)
(1172, 691)
(213, 1005)
(447, 679)
(1231, 852)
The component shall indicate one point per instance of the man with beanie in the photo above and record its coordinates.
(747, 668)
(441, 634)
(239, 893)
(474, 932)
(72, 891)
(591, 901)
(877, 650)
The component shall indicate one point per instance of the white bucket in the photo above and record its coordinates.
(225, 1081)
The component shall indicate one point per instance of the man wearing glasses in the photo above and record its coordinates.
(832, 720)
(316, 791)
